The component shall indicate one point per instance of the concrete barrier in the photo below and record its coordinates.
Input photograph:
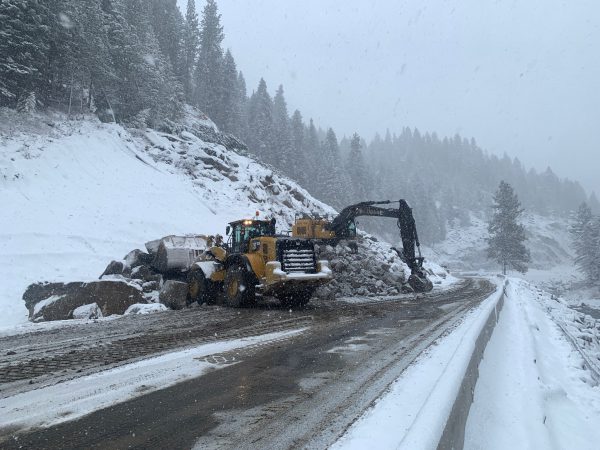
(453, 436)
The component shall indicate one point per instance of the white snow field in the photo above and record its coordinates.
(76, 398)
(76, 194)
(533, 391)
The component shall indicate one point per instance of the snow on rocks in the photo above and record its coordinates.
(59, 301)
(145, 308)
(91, 311)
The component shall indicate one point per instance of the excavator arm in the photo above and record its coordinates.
(344, 227)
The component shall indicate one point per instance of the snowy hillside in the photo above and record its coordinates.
(463, 250)
(76, 194)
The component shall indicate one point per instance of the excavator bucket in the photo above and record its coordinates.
(419, 282)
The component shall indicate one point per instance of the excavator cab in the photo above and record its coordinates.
(349, 231)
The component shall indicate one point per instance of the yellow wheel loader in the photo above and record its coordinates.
(255, 260)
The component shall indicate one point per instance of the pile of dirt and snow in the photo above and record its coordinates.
(375, 270)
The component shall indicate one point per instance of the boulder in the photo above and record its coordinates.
(113, 268)
(174, 294)
(111, 296)
(37, 292)
(137, 257)
(91, 311)
(150, 286)
(142, 273)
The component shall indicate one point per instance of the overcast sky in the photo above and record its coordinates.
(521, 77)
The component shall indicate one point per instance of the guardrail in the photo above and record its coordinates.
(453, 436)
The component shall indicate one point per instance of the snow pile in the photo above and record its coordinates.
(77, 194)
(375, 270)
(533, 390)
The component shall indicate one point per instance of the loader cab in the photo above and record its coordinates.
(241, 231)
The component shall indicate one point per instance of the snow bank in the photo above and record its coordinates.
(533, 391)
(73, 399)
(413, 413)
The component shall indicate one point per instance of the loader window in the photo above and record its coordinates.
(243, 232)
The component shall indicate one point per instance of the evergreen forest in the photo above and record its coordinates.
(139, 62)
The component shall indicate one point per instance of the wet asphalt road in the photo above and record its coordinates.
(302, 392)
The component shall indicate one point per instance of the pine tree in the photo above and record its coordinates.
(281, 147)
(507, 235)
(208, 77)
(332, 181)
(230, 101)
(311, 150)
(147, 92)
(24, 35)
(299, 160)
(242, 100)
(594, 203)
(191, 42)
(260, 123)
(167, 23)
(357, 169)
(585, 232)
(592, 235)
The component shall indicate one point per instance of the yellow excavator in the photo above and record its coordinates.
(343, 226)
(255, 260)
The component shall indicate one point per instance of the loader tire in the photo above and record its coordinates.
(239, 287)
(200, 289)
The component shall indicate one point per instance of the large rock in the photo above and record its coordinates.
(37, 292)
(174, 294)
(113, 268)
(61, 300)
(137, 257)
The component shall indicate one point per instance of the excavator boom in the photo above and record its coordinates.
(343, 227)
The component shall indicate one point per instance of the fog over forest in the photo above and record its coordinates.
(516, 76)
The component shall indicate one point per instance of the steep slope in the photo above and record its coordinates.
(77, 193)
(464, 249)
